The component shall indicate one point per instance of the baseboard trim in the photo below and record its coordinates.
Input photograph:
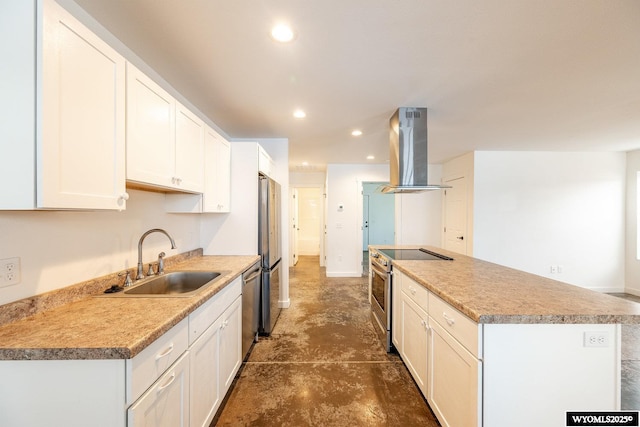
(343, 274)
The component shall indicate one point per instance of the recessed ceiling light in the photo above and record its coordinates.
(282, 33)
(370, 157)
(299, 114)
(305, 163)
(356, 132)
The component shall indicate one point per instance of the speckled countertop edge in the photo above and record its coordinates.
(491, 293)
(111, 328)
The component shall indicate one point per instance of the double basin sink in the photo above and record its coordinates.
(173, 284)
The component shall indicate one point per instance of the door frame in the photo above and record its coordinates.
(323, 218)
(360, 210)
(469, 208)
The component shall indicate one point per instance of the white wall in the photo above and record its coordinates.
(236, 233)
(58, 249)
(632, 265)
(533, 210)
(418, 217)
(307, 179)
(344, 236)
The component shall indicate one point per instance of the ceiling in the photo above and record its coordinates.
(545, 75)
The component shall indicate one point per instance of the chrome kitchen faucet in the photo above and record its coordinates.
(140, 274)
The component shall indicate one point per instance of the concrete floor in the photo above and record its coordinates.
(323, 364)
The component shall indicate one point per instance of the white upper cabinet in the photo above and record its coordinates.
(216, 197)
(66, 122)
(150, 130)
(189, 153)
(217, 194)
(165, 141)
(265, 162)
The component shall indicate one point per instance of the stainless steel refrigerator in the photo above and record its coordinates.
(269, 242)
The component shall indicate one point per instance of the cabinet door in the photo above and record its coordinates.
(218, 194)
(454, 380)
(81, 148)
(189, 155)
(150, 131)
(166, 403)
(231, 344)
(217, 190)
(204, 378)
(415, 341)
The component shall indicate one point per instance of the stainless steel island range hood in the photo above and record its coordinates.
(408, 152)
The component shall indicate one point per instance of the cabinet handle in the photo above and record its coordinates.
(168, 383)
(165, 353)
(448, 319)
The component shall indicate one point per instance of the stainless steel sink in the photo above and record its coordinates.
(173, 284)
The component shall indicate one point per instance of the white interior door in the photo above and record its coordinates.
(455, 217)
(365, 222)
(378, 227)
(310, 219)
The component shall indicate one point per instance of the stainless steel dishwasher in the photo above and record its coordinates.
(250, 307)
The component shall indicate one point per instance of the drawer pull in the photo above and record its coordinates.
(165, 353)
(168, 383)
(450, 321)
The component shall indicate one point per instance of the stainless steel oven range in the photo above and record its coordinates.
(381, 285)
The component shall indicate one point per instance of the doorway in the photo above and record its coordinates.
(378, 219)
(307, 221)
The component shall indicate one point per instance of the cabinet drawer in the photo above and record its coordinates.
(147, 366)
(166, 403)
(208, 312)
(418, 293)
(457, 324)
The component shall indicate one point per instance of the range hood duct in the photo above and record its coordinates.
(408, 152)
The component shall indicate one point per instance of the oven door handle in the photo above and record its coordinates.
(378, 270)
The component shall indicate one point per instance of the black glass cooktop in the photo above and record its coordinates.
(414, 254)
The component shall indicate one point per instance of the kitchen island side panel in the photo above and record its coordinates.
(535, 373)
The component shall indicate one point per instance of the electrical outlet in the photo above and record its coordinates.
(596, 339)
(9, 271)
(553, 269)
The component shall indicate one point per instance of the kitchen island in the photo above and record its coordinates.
(125, 361)
(493, 346)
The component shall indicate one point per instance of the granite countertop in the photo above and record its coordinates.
(491, 293)
(111, 328)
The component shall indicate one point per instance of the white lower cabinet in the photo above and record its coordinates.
(215, 359)
(231, 344)
(415, 341)
(215, 354)
(180, 379)
(205, 392)
(455, 379)
(166, 403)
(439, 346)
